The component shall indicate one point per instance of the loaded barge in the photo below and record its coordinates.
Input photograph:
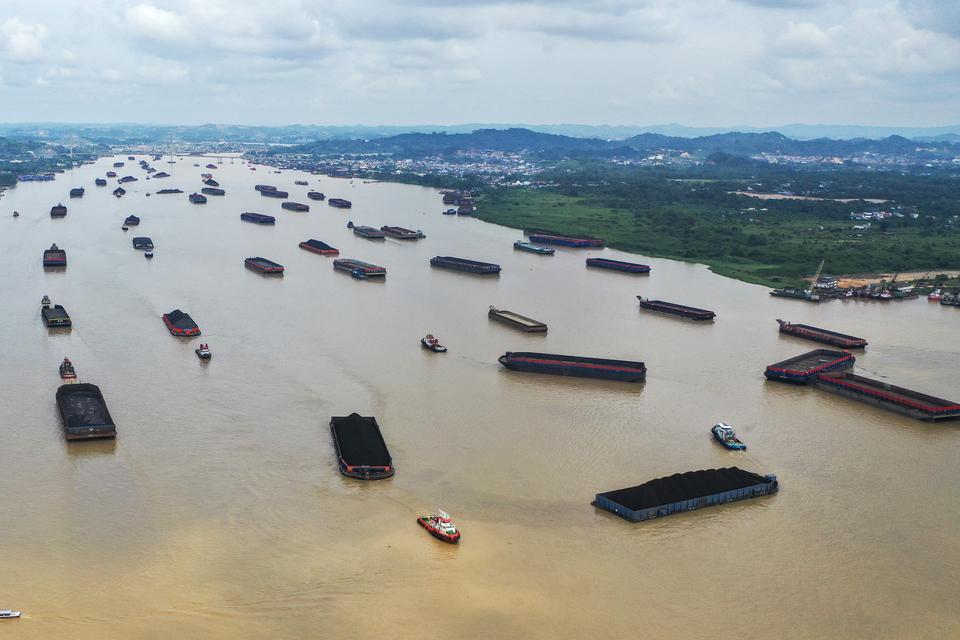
(368, 232)
(805, 367)
(55, 316)
(676, 309)
(58, 210)
(565, 241)
(887, 396)
(576, 366)
(516, 320)
(196, 198)
(317, 246)
(361, 450)
(180, 324)
(316, 195)
(825, 336)
(259, 218)
(340, 203)
(54, 257)
(402, 234)
(462, 264)
(274, 193)
(685, 492)
(76, 192)
(295, 206)
(618, 265)
(360, 270)
(84, 412)
(533, 248)
(262, 265)
(213, 191)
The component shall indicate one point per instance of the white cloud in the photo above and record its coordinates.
(148, 21)
(23, 42)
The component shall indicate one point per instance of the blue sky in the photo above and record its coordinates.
(698, 62)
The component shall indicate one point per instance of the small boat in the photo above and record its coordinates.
(301, 183)
(9, 613)
(429, 342)
(112, 174)
(933, 295)
(724, 435)
(45, 302)
(440, 526)
(203, 351)
(16, 214)
(533, 248)
(450, 212)
(125, 228)
(148, 255)
(67, 372)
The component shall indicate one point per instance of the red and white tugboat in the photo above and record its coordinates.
(430, 342)
(440, 526)
(67, 372)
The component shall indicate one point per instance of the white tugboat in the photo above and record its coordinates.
(9, 613)
(725, 435)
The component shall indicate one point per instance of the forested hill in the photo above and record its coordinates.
(546, 144)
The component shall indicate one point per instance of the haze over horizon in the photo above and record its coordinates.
(715, 64)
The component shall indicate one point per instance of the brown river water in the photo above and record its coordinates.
(218, 511)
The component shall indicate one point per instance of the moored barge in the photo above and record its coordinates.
(210, 182)
(264, 187)
(76, 192)
(796, 294)
(196, 198)
(825, 336)
(274, 193)
(685, 492)
(340, 203)
(317, 246)
(213, 191)
(58, 210)
(54, 257)
(805, 367)
(55, 316)
(262, 265)
(360, 269)
(100, 182)
(618, 265)
(316, 195)
(576, 366)
(84, 412)
(361, 450)
(180, 324)
(402, 234)
(368, 232)
(258, 218)
(295, 206)
(533, 248)
(671, 308)
(566, 241)
(888, 396)
(462, 264)
(516, 320)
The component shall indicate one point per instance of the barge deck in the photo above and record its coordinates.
(84, 412)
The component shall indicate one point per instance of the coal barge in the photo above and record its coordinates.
(143, 242)
(360, 270)
(805, 367)
(565, 241)
(54, 257)
(462, 264)
(683, 311)
(361, 450)
(685, 492)
(316, 195)
(295, 206)
(340, 203)
(196, 198)
(100, 182)
(402, 234)
(317, 246)
(258, 218)
(84, 412)
(55, 316)
(262, 265)
(77, 192)
(369, 233)
(576, 366)
(264, 187)
(516, 320)
(618, 265)
(58, 211)
(166, 191)
(180, 324)
(213, 191)
(825, 336)
(887, 396)
(274, 193)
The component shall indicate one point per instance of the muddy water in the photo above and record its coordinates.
(218, 511)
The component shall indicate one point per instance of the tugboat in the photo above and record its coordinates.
(9, 613)
(203, 351)
(67, 372)
(16, 214)
(429, 342)
(148, 254)
(440, 526)
(724, 435)
(45, 302)
(934, 295)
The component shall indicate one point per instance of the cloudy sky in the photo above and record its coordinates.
(696, 62)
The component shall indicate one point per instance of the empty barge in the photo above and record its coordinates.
(274, 193)
(533, 248)
(258, 218)
(316, 195)
(359, 269)
(76, 192)
(295, 206)
(462, 264)
(685, 492)
(888, 396)
(180, 324)
(368, 232)
(676, 309)
(618, 265)
(262, 265)
(361, 450)
(54, 257)
(805, 367)
(340, 203)
(825, 336)
(576, 366)
(516, 320)
(566, 241)
(84, 412)
(317, 246)
(55, 316)
(402, 234)
(213, 191)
